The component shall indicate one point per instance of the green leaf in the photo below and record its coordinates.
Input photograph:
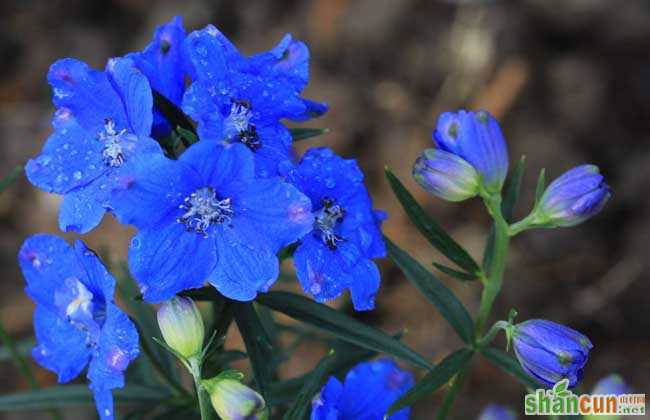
(430, 229)
(174, 115)
(510, 365)
(434, 290)
(24, 348)
(9, 179)
(302, 404)
(512, 192)
(460, 275)
(339, 325)
(539, 189)
(258, 344)
(79, 395)
(186, 134)
(433, 380)
(305, 133)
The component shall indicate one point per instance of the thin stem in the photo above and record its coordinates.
(498, 262)
(524, 224)
(201, 394)
(23, 366)
(492, 333)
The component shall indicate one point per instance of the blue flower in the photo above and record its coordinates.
(102, 123)
(574, 197)
(612, 385)
(338, 251)
(550, 352)
(477, 138)
(370, 388)
(497, 412)
(207, 216)
(238, 99)
(76, 321)
(165, 65)
(446, 175)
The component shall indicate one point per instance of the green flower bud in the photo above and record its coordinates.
(233, 400)
(181, 325)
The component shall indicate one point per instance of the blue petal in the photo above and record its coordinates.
(166, 259)
(80, 211)
(288, 60)
(200, 105)
(210, 52)
(322, 272)
(246, 264)
(135, 92)
(220, 165)
(61, 347)
(104, 404)
(45, 261)
(98, 280)
(275, 151)
(117, 347)
(88, 93)
(364, 284)
(324, 407)
(276, 209)
(71, 157)
(151, 189)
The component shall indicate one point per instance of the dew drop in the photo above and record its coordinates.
(77, 175)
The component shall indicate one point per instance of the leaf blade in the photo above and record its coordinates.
(434, 291)
(302, 404)
(459, 275)
(510, 365)
(298, 134)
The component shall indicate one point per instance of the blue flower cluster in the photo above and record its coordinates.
(219, 212)
(369, 389)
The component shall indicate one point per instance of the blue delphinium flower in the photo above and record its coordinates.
(550, 352)
(611, 385)
(369, 389)
(207, 216)
(238, 99)
(574, 197)
(76, 321)
(477, 138)
(497, 412)
(102, 123)
(165, 65)
(338, 251)
(446, 175)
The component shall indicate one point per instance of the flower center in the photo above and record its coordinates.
(202, 209)
(79, 307)
(238, 126)
(112, 152)
(329, 216)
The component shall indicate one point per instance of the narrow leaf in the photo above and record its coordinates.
(541, 181)
(9, 179)
(433, 380)
(24, 348)
(78, 395)
(302, 404)
(434, 290)
(460, 275)
(512, 192)
(258, 344)
(305, 133)
(174, 115)
(339, 325)
(430, 229)
(510, 365)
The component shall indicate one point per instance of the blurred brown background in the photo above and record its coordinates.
(568, 79)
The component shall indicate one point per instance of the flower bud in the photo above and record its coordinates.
(497, 412)
(233, 400)
(550, 352)
(573, 197)
(181, 325)
(477, 138)
(611, 385)
(446, 175)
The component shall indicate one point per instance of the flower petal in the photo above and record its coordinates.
(167, 259)
(220, 165)
(135, 92)
(104, 404)
(80, 211)
(364, 284)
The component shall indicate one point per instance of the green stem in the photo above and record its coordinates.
(498, 262)
(23, 366)
(201, 394)
(526, 223)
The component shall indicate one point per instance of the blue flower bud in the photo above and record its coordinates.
(446, 175)
(611, 385)
(181, 326)
(550, 352)
(477, 138)
(497, 412)
(233, 400)
(574, 197)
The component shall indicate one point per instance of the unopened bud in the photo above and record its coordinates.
(233, 400)
(181, 325)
